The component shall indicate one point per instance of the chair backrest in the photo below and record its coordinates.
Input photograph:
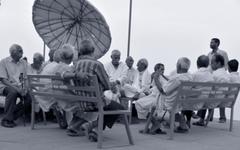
(194, 92)
(71, 90)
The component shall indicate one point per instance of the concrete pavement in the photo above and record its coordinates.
(215, 137)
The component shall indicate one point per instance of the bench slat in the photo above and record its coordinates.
(72, 98)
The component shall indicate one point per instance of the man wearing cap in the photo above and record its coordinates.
(12, 71)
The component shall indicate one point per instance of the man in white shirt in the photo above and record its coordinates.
(116, 70)
(234, 78)
(215, 42)
(183, 65)
(144, 104)
(131, 71)
(233, 71)
(141, 83)
(220, 75)
(202, 75)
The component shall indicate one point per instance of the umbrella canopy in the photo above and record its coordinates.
(70, 21)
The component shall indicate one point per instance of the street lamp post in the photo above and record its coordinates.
(129, 27)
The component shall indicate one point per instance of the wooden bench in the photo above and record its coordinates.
(210, 95)
(74, 91)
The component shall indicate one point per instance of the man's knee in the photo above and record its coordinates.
(9, 91)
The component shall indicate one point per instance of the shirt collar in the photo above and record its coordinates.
(203, 69)
(212, 52)
(220, 70)
(10, 59)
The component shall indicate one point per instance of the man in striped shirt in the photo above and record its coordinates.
(88, 65)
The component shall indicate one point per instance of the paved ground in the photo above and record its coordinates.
(50, 137)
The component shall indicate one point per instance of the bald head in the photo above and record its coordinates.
(202, 61)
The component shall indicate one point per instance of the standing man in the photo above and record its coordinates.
(12, 69)
(215, 42)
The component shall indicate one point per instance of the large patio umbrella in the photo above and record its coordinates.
(70, 21)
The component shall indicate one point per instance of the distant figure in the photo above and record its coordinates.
(220, 75)
(234, 78)
(215, 42)
(36, 66)
(13, 71)
(233, 71)
(116, 70)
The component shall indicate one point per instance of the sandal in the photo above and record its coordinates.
(93, 136)
(71, 132)
(198, 123)
(143, 131)
(159, 131)
(180, 130)
(87, 127)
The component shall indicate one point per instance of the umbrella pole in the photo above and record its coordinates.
(129, 27)
(44, 50)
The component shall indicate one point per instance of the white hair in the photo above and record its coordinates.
(144, 61)
(66, 52)
(14, 48)
(184, 63)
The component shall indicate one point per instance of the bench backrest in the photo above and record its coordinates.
(192, 93)
(70, 90)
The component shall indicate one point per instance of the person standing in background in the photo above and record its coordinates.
(214, 44)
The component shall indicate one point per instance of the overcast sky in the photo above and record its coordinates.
(162, 30)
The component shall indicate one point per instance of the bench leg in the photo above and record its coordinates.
(44, 118)
(210, 113)
(231, 119)
(33, 114)
(100, 130)
(128, 130)
(24, 112)
(172, 120)
(130, 114)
